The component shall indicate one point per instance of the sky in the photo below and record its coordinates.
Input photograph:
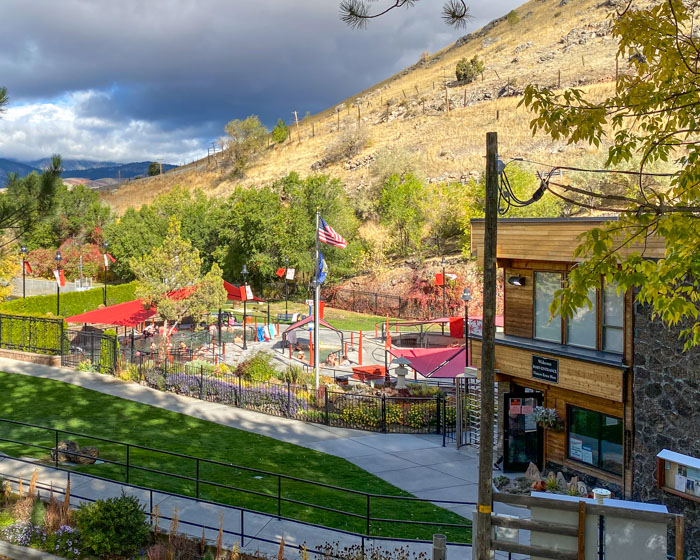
(136, 80)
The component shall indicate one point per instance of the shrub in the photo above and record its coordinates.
(256, 368)
(281, 132)
(513, 17)
(468, 70)
(38, 513)
(348, 144)
(109, 350)
(114, 527)
(72, 303)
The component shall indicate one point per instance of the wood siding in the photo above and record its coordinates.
(518, 304)
(589, 379)
(552, 240)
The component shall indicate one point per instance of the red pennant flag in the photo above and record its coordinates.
(28, 267)
(438, 279)
(280, 272)
(60, 278)
(109, 258)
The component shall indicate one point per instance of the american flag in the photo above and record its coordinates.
(326, 234)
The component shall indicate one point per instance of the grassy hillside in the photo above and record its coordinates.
(546, 43)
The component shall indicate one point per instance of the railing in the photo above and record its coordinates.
(300, 402)
(282, 494)
(31, 334)
(324, 551)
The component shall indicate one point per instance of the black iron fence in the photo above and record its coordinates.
(376, 413)
(377, 303)
(285, 496)
(89, 348)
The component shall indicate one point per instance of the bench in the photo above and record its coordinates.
(285, 317)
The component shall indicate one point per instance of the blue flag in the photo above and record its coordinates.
(322, 269)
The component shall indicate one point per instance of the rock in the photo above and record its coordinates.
(561, 481)
(489, 41)
(582, 489)
(66, 451)
(533, 473)
(551, 477)
(522, 47)
(573, 483)
(563, 3)
(92, 455)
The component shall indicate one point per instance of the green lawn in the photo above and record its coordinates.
(51, 403)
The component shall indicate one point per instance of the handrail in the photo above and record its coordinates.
(278, 497)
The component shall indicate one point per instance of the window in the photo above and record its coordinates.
(595, 439)
(613, 306)
(581, 327)
(546, 283)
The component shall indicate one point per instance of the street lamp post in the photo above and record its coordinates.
(58, 260)
(244, 273)
(286, 287)
(466, 298)
(23, 252)
(105, 245)
(444, 311)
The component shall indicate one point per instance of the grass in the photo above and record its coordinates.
(67, 407)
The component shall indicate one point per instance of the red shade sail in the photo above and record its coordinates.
(434, 362)
(127, 314)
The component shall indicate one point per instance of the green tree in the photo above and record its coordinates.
(653, 115)
(468, 70)
(402, 204)
(246, 139)
(153, 169)
(28, 201)
(169, 279)
(281, 132)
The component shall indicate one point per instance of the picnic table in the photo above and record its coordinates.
(368, 373)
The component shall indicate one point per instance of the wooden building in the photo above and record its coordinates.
(581, 367)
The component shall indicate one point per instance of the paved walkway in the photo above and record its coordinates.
(415, 463)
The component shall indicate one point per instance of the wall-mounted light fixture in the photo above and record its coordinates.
(516, 280)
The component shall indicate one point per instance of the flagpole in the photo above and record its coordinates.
(316, 304)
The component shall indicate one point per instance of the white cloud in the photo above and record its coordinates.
(36, 130)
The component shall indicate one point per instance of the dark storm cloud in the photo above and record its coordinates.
(186, 68)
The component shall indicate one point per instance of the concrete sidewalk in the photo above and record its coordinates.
(415, 463)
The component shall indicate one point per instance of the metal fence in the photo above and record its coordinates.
(376, 413)
(90, 349)
(377, 303)
(363, 513)
(31, 334)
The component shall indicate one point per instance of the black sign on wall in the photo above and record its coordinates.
(545, 368)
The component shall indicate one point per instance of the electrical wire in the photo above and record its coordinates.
(585, 170)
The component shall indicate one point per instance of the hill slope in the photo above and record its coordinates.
(559, 43)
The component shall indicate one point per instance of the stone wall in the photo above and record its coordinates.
(42, 359)
(666, 413)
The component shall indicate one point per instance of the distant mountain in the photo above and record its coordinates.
(9, 166)
(72, 164)
(123, 171)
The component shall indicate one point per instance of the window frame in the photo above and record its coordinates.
(603, 326)
(562, 329)
(601, 415)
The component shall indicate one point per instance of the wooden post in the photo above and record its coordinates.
(359, 351)
(582, 530)
(497, 114)
(680, 530)
(583, 62)
(433, 84)
(313, 129)
(290, 350)
(296, 120)
(358, 115)
(418, 92)
(465, 97)
(447, 102)
(387, 111)
(346, 349)
(488, 352)
(337, 112)
(559, 79)
(404, 93)
(617, 68)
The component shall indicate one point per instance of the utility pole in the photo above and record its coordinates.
(296, 120)
(488, 352)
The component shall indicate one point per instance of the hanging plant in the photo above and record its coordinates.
(548, 418)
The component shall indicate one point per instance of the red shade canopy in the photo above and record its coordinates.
(127, 314)
(434, 362)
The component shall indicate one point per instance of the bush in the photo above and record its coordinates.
(281, 132)
(114, 527)
(513, 17)
(256, 368)
(347, 145)
(108, 352)
(468, 70)
(72, 303)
